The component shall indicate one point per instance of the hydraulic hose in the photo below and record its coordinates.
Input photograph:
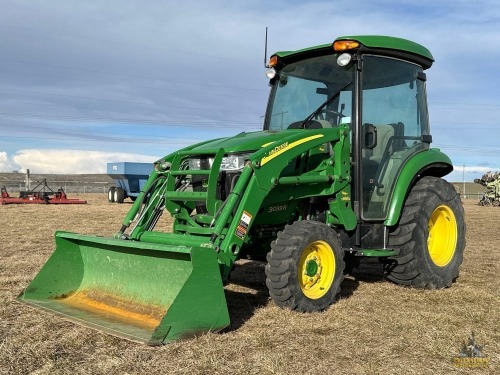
(150, 185)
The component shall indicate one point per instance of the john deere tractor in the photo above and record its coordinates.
(342, 169)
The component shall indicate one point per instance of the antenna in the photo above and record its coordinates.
(265, 51)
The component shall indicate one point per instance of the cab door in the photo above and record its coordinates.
(394, 127)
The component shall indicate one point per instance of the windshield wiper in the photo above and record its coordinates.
(328, 101)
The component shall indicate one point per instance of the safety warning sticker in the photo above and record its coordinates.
(242, 228)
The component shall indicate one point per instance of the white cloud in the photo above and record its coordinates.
(71, 161)
(6, 164)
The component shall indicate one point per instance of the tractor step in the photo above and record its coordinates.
(371, 252)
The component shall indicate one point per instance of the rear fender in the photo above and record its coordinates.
(428, 163)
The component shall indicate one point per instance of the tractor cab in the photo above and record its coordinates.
(378, 93)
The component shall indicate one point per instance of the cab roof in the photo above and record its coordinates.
(376, 44)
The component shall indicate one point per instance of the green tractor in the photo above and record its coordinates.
(342, 169)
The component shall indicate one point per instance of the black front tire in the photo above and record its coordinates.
(111, 194)
(305, 267)
(119, 195)
(430, 237)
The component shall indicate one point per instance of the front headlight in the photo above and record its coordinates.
(228, 163)
(194, 164)
(232, 162)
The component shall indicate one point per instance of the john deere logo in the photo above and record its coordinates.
(278, 148)
(471, 355)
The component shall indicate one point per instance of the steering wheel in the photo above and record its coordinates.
(327, 113)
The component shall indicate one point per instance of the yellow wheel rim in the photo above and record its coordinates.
(443, 234)
(316, 269)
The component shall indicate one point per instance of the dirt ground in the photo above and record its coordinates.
(375, 328)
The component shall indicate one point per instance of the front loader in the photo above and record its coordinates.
(342, 169)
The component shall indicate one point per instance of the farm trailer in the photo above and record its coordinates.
(129, 178)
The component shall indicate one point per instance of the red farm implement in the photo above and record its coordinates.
(41, 194)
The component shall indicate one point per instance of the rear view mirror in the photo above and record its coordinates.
(370, 136)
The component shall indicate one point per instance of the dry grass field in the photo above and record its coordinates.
(375, 328)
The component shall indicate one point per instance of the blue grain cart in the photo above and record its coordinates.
(129, 179)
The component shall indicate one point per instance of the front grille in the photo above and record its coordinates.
(226, 181)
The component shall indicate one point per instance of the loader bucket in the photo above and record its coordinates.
(141, 291)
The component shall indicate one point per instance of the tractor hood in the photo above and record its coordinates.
(244, 142)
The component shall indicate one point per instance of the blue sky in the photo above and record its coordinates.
(85, 83)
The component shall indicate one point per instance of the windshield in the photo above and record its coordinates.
(302, 87)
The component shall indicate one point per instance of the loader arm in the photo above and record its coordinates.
(225, 227)
(330, 179)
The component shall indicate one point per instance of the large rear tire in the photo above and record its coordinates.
(430, 237)
(305, 267)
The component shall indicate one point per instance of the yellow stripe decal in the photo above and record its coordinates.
(278, 150)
